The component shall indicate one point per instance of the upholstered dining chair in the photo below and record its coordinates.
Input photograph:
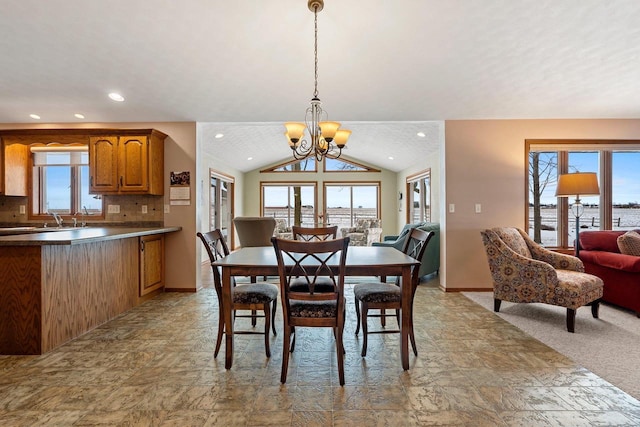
(308, 308)
(523, 271)
(255, 296)
(381, 295)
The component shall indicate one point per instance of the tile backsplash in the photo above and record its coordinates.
(130, 211)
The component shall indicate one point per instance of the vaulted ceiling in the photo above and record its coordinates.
(387, 69)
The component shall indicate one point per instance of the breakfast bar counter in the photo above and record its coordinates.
(57, 285)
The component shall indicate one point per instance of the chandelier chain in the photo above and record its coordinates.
(315, 50)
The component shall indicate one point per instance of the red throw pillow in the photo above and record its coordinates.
(629, 243)
(600, 241)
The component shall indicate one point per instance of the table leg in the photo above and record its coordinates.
(228, 317)
(405, 316)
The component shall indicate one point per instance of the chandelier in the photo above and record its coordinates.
(326, 139)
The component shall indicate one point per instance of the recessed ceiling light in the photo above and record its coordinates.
(219, 135)
(79, 116)
(390, 158)
(249, 158)
(116, 97)
(34, 116)
(421, 134)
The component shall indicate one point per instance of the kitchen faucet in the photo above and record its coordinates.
(58, 218)
(83, 223)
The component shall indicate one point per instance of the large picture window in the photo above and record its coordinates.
(295, 202)
(549, 219)
(60, 182)
(345, 203)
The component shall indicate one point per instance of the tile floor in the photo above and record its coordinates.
(154, 366)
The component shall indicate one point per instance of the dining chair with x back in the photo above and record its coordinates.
(381, 295)
(254, 296)
(309, 261)
(314, 233)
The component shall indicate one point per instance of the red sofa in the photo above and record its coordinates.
(620, 273)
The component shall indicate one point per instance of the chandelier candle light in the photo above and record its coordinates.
(326, 138)
(577, 184)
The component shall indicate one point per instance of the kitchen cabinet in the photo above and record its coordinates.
(151, 263)
(14, 166)
(55, 286)
(127, 164)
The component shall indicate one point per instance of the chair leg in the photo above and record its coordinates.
(496, 304)
(340, 354)
(363, 318)
(357, 316)
(285, 353)
(571, 319)
(293, 341)
(383, 317)
(253, 318)
(220, 333)
(412, 337)
(595, 309)
(273, 316)
(267, 327)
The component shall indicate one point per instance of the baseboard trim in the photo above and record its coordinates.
(189, 290)
(466, 289)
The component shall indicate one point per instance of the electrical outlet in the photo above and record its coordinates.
(452, 208)
(113, 209)
(144, 209)
(23, 209)
(167, 209)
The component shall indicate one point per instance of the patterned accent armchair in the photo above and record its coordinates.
(524, 271)
(283, 230)
(364, 233)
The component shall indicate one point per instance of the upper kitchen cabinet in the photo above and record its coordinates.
(127, 163)
(14, 164)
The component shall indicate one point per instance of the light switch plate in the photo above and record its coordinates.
(166, 209)
(113, 209)
(478, 208)
(144, 209)
(23, 209)
(452, 208)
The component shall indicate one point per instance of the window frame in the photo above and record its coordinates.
(605, 150)
(37, 177)
(312, 184)
(376, 184)
(422, 177)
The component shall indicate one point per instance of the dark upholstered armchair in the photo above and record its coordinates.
(430, 262)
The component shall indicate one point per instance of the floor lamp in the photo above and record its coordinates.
(577, 184)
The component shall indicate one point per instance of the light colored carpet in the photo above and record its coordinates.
(609, 346)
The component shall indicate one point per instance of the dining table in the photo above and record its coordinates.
(361, 261)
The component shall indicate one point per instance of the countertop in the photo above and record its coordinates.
(74, 236)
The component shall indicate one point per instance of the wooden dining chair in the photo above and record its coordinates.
(307, 307)
(309, 234)
(254, 296)
(381, 295)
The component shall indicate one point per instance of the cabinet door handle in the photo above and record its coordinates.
(91, 181)
(120, 181)
(141, 245)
